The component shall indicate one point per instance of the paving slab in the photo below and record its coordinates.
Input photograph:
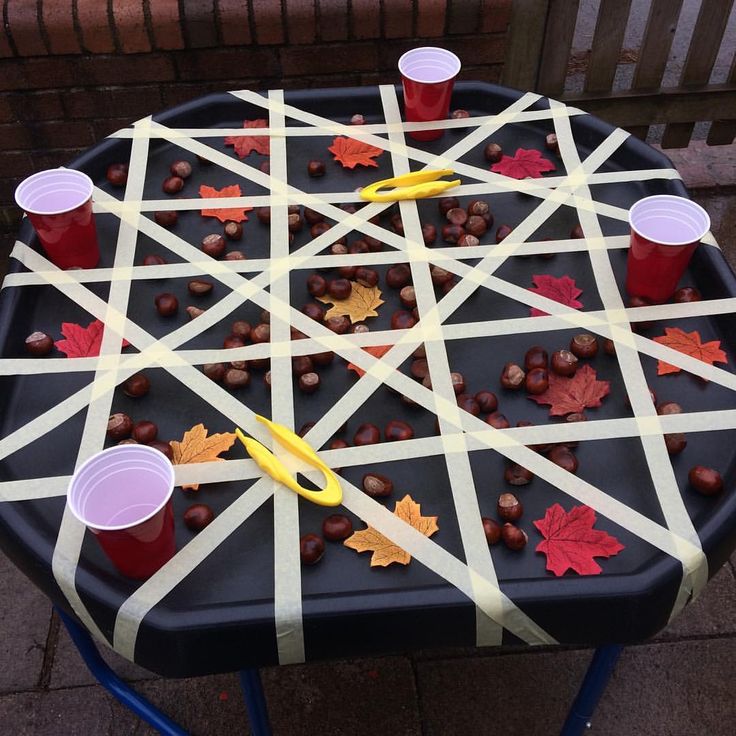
(25, 615)
(712, 613)
(69, 670)
(364, 697)
(514, 694)
(205, 706)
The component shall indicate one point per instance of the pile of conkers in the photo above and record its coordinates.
(509, 510)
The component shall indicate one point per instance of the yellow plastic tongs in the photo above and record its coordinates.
(330, 495)
(417, 185)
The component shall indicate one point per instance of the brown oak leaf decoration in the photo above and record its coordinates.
(196, 447)
(362, 302)
(384, 550)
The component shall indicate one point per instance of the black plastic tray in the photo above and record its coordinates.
(220, 618)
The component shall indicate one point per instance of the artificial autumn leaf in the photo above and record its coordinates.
(571, 543)
(562, 290)
(690, 344)
(350, 152)
(235, 214)
(362, 302)
(82, 342)
(377, 351)
(244, 144)
(384, 550)
(571, 395)
(197, 447)
(524, 163)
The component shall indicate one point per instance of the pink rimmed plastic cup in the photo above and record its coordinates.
(665, 231)
(123, 496)
(427, 75)
(58, 203)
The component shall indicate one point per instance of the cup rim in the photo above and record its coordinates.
(449, 54)
(33, 178)
(121, 450)
(664, 198)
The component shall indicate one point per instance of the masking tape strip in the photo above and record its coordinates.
(488, 630)
(694, 562)
(287, 563)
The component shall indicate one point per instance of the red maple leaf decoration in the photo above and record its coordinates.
(82, 342)
(571, 395)
(562, 290)
(244, 144)
(350, 152)
(571, 543)
(377, 351)
(690, 344)
(236, 214)
(524, 163)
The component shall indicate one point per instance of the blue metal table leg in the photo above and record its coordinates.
(255, 702)
(111, 682)
(592, 688)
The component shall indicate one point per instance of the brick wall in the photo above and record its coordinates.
(73, 71)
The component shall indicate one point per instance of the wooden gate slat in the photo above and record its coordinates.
(561, 20)
(723, 131)
(608, 38)
(524, 43)
(701, 56)
(655, 48)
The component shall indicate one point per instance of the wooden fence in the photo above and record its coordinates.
(538, 54)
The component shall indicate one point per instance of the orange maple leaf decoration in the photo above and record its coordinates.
(235, 214)
(350, 152)
(377, 351)
(690, 344)
(384, 550)
(197, 447)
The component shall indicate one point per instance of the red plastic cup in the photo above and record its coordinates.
(58, 203)
(123, 496)
(428, 75)
(665, 231)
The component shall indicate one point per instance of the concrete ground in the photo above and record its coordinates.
(681, 682)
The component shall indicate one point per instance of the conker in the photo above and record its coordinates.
(339, 324)
(236, 378)
(535, 357)
(367, 277)
(398, 431)
(675, 443)
(502, 232)
(311, 549)
(367, 434)
(487, 401)
(214, 371)
(509, 508)
(117, 174)
(452, 233)
(181, 168)
(564, 363)
(213, 245)
(429, 233)
(233, 230)
(376, 485)
(456, 216)
(517, 475)
(136, 385)
(261, 333)
(687, 294)
(173, 184)
(144, 432)
(166, 218)
(447, 203)
(339, 288)
(512, 376)
(402, 320)
(408, 297)
(198, 516)
(39, 343)
(497, 420)
(241, 328)
(537, 381)
(493, 153)
(584, 345)
(337, 527)
(153, 260)
(316, 168)
(705, 481)
(513, 537)
(314, 311)
(166, 304)
(162, 447)
(492, 530)
(398, 276)
(309, 382)
(119, 426)
(562, 456)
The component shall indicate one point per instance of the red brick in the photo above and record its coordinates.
(54, 158)
(366, 19)
(166, 24)
(24, 27)
(58, 21)
(317, 82)
(431, 18)
(301, 20)
(15, 164)
(495, 16)
(133, 69)
(130, 24)
(398, 20)
(103, 128)
(333, 20)
(7, 114)
(38, 74)
(15, 136)
(463, 16)
(234, 24)
(97, 35)
(200, 24)
(229, 63)
(37, 105)
(481, 50)
(5, 48)
(109, 102)
(61, 134)
(306, 60)
(269, 25)
(8, 187)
